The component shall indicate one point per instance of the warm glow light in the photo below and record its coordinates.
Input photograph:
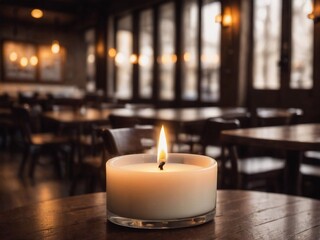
(204, 58)
(216, 59)
(227, 18)
(174, 58)
(13, 56)
(33, 60)
(134, 58)
(165, 59)
(100, 48)
(112, 52)
(55, 47)
(311, 16)
(143, 60)
(119, 58)
(218, 18)
(91, 58)
(37, 13)
(24, 62)
(186, 57)
(162, 147)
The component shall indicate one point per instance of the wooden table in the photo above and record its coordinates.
(79, 120)
(239, 215)
(180, 115)
(89, 115)
(293, 139)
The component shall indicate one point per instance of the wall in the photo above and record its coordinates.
(72, 41)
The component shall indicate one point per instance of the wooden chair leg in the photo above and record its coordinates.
(24, 160)
(74, 181)
(34, 159)
(57, 164)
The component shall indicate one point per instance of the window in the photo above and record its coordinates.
(210, 54)
(296, 52)
(124, 58)
(302, 47)
(266, 43)
(199, 53)
(90, 63)
(190, 53)
(167, 57)
(146, 54)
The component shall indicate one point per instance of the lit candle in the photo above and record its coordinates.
(139, 194)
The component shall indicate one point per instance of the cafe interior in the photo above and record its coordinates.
(84, 81)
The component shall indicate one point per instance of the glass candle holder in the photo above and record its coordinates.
(140, 195)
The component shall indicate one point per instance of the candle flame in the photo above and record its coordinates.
(162, 147)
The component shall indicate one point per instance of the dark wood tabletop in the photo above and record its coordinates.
(89, 115)
(293, 139)
(180, 115)
(239, 215)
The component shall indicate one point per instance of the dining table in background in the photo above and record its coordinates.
(294, 140)
(179, 120)
(239, 215)
(79, 116)
(180, 116)
(78, 121)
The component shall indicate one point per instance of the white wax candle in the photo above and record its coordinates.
(137, 188)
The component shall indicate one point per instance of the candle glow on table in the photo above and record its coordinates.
(137, 189)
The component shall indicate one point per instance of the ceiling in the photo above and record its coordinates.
(58, 13)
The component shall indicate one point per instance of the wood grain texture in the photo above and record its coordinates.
(180, 115)
(240, 215)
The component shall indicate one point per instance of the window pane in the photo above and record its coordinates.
(123, 64)
(146, 54)
(302, 47)
(267, 24)
(210, 55)
(90, 63)
(167, 57)
(190, 54)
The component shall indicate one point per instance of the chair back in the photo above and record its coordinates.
(22, 118)
(213, 128)
(278, 117)
(295, 115)
(123, 141)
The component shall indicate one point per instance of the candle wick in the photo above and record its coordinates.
(161, 165)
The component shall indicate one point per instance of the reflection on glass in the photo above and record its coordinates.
(146, 54)
(90, 61)
(190, 54)
(167, 57)
(210, 55)
(267, 26)
(302, 47)
(122, 59)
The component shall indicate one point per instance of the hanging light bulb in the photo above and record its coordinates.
(55, 47)
(24, 62)
(13, 56)
(33, 60)
(37, 13)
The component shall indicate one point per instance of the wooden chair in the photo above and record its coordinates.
(267, 117)
(40, 143)
(277, 116)
(250, 170)
(116, 142)
(310, 172)
(123, 141)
